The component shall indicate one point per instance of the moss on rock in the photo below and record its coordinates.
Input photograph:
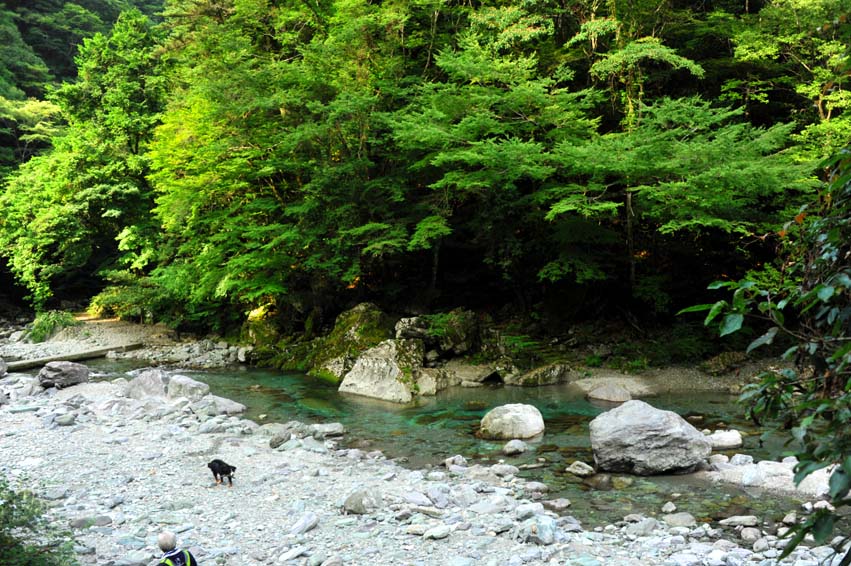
(331, 357)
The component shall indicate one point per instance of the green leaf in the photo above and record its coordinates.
(731, 323)
(793, 543)
(840, 352)
(766, 338)
(696, 308)
(823, 527)
(825, 293)
(714, 311)
(840, 483)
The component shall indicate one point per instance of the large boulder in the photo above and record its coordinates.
(510, 421)
(544, 375)
(387, 371)
(62, 374)
(149, 383)
(725, 439)
(454, 333)
(638, 438)
(460, 372)
(432, 380)
(610, 393)
(355, 331)
(182, 386)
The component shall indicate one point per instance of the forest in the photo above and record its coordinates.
(558, 160)
(553, 162)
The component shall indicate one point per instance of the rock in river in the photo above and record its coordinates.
(511, 421)
(386, 371)
(638, 438)
(62, 374)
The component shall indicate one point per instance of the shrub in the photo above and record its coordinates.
(26, 539)
(810, 301)
(48, 323)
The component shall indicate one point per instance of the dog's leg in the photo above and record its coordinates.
(230, 481)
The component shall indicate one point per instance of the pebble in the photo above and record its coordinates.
(306, 502)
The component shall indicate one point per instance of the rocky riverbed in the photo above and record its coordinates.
(119, 462)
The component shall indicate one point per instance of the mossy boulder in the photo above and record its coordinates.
(545, 375)
(260, 328)
(331, 357)
(453, 333)
(355, 331)
(388, 371)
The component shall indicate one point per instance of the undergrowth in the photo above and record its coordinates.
(48, 323)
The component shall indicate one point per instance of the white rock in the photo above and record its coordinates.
(514, 447)
(610, 392)
(511, 421)
(740, 521)
(725, 439)
(386, 371)
(580, 469)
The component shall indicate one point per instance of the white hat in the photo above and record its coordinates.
(167, 541)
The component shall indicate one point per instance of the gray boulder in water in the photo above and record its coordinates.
(640, 439)
(62, 374)
(182, 386)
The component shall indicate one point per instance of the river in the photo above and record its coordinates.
(424, 434)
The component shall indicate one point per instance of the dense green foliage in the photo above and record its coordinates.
(38, 45)
(65, 209)
(25, 539)
(561, 158)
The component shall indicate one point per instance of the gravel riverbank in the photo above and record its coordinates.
(117, 470)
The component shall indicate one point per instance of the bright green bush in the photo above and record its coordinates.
(26, 538)
(48, 323)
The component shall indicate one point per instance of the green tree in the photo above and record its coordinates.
(25, 536)
(22, 72)
(63, 210)
(690, 171)
(274, 172)
(54, 29)
(796, 55)
(480, 142)
(27, 127)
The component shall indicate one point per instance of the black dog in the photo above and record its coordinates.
(221, 471)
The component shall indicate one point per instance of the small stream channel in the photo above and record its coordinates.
(423, 435)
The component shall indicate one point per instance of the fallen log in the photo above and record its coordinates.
(87, 355)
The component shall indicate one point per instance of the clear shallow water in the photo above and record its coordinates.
(436, 428)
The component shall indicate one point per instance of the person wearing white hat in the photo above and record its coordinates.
(173, 556)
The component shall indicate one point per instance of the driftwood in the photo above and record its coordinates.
(87, 355)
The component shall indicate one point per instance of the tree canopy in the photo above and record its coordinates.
(231, 154)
